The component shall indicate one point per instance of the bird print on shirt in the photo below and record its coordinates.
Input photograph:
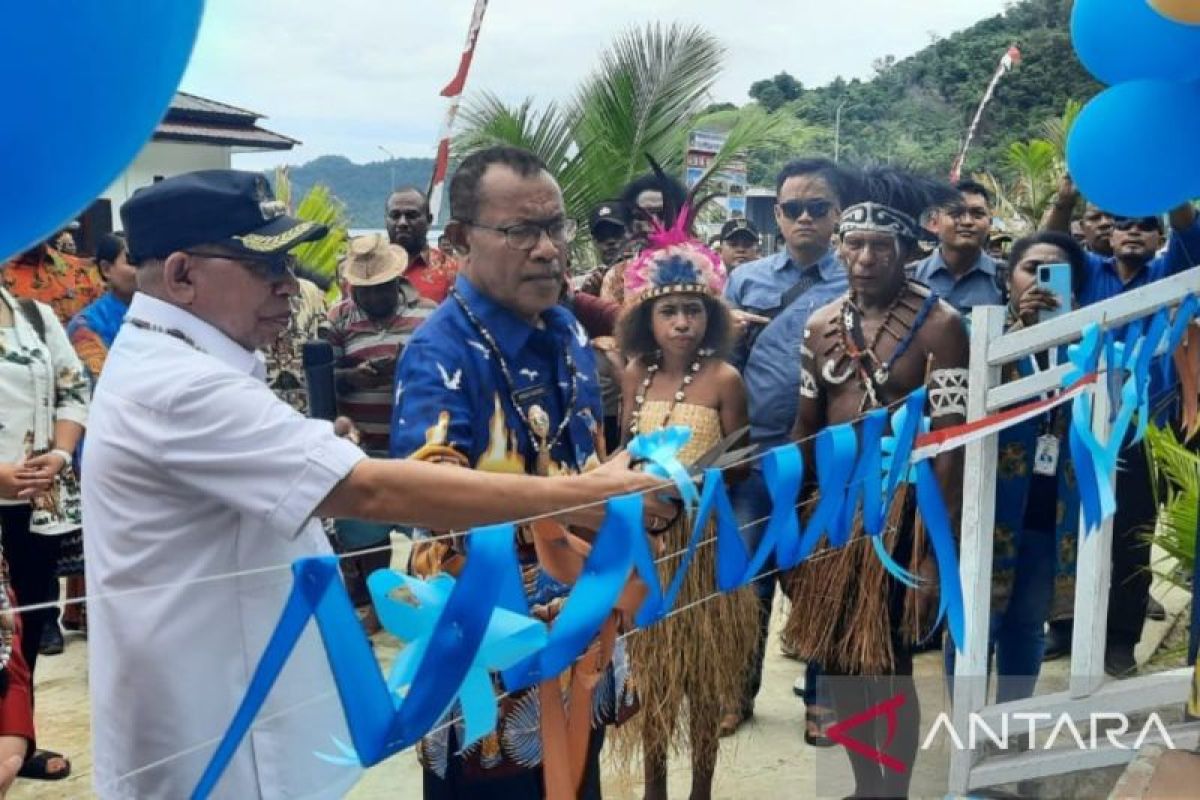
(452, 382)
(487, 355)
(530, 374)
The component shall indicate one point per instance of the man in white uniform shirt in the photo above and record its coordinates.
(194, 469)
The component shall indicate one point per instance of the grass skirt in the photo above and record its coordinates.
(691, 667)
(847, 610)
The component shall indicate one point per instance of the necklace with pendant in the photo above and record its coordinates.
(874, 372)
(640, 398)
(536, 420)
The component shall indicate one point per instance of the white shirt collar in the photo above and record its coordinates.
(206, 337)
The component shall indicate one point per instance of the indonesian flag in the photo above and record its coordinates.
(1011, 59)
(455, 87)
(453, 92)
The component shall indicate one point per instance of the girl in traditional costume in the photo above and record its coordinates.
(675, 330)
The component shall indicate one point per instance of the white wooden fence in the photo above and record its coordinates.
(1090, 692)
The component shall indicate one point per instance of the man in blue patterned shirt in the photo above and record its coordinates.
(783, 289)
(501, 378)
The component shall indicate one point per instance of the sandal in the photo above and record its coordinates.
(817, 720)
(37, 766)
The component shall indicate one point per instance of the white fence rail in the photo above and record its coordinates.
(1089, 692)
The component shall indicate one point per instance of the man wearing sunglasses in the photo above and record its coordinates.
(774, 297)
(1137, 259)
(195, 470)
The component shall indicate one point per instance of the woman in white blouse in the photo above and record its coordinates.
(43, 406)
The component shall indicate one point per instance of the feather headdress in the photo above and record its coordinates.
(674, 261)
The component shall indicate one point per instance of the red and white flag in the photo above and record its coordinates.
(1010, 59)
(453, 92)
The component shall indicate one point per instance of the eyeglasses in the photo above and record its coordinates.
(526, 235)
(268, 267)
(1143, 224)
(816, 209)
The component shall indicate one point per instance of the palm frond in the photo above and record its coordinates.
(1056, 130)
(1176, 468)
(320, 205)
(487, 121)
(643, 98)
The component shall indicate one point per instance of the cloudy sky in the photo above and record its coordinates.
(351, 76)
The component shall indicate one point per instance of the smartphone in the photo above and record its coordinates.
(1055, 278)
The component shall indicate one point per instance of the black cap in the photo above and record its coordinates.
(738, 225)
(225, 207)
(608, 213)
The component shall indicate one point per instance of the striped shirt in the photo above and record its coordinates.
(357, 339)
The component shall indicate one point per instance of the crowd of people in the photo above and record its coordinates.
(180, 348)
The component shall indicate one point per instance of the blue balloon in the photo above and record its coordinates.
(1133, 149)
(1126, 40)
(84, 86)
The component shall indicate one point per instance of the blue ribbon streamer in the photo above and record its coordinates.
(941, 536)
(591, 600)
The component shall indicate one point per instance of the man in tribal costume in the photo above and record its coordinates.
(869, 349)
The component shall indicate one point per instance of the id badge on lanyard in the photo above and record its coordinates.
(1045, 459)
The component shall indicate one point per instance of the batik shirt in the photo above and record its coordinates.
(65, 283)
(451, 393)
(93, 330)
(432, 273)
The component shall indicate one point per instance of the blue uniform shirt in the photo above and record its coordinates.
(977, 287)
(450, 390)
(772, 372)
(1102, 282)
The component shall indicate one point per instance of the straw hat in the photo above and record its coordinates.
(372, 260)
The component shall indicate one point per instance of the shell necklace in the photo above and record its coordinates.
(640, 399)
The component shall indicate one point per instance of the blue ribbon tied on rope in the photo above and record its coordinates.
(1129, 359)
(380, 725)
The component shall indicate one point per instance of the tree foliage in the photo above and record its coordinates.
(650, 89)
(916, 110)
(773, 93)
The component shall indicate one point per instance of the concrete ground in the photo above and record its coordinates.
(767, 758)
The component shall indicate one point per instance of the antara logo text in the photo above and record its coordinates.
(1098, 727)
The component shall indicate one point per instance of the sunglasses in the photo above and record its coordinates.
(1143, 224)
(271, 268)
(816, 209)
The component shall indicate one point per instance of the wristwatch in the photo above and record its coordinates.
(65, 455)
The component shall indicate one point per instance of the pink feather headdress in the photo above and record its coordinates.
(674, 263)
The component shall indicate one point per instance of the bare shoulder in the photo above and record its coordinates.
(726, 376)
(826, 314)
(944, 335)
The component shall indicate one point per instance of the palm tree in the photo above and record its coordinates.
(1031, 171)
(1176, 467)
(321, 257)
(649, 90)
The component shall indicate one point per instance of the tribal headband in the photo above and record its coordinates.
(879, 218)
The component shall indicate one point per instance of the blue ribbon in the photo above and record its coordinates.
(941, 536)
(591, 600)
(409, 609)
(661, 450)
(836, 451)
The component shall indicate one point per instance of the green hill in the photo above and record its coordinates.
(362, 187)
(916, 111)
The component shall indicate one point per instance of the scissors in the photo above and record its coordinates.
(723, 454)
